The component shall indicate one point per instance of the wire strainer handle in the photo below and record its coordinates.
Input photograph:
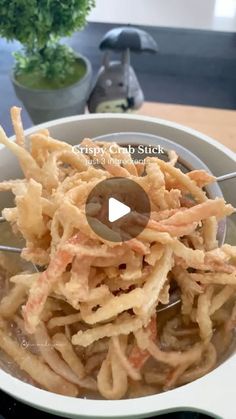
(226, 177)
(10, 249)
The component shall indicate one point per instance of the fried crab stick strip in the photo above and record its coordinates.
(62, 366)
(38, 370)
(198, 194)
(122, 154)
(212, 207)
(112, 377)
(42, 286)
(17, 125)
(172, 358)
(132, 372)
(27, 162)
(183, 222)
(104, 158)
(138, 357)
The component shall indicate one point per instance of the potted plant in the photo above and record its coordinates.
(49, 77)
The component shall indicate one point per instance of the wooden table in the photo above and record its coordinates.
(219, 124)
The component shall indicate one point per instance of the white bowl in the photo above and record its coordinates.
(215, 392)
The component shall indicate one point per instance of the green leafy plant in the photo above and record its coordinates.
(39, 25)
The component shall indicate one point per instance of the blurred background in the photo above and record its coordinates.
(195, 63)
(202, 14)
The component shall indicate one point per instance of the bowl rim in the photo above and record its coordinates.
(160, 121)
(197, 395)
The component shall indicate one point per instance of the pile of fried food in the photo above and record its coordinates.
(90, 319)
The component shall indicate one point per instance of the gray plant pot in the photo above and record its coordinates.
(45, 105)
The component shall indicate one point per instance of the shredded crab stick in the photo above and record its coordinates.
(42, 286)
(138, 357)
(216, 207)
(17, 124)
(105, 159)
(28, 164)
(92, 310)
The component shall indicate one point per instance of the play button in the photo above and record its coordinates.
(117, 209)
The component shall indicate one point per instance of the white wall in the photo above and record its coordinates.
(195, 14)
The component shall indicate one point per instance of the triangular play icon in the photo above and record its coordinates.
(116, 209)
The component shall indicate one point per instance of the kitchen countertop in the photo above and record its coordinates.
(219, 124)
